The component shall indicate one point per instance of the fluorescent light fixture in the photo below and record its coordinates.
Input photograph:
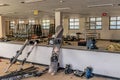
(61, 1)
(100, 5)
(11, 13)
(62, 8)
(4, 5)
(31, 1)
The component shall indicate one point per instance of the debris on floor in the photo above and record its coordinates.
(114, 47)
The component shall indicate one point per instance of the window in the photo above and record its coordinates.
(12, 24)
(31, 22)
(45, 24)
(21, 22)
(114, 23)
(74, 23)
(96, 23)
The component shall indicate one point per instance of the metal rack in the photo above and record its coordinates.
(90, 33)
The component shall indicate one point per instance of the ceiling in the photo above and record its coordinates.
(15, 8)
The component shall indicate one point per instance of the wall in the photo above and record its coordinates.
(103, 63)
(105, 33)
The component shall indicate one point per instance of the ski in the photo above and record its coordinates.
(36, 73)
(28, 53)
(29, 72)
(18, 72)
(54, 64)
(25, 75)
(20, 75)
(18, 53)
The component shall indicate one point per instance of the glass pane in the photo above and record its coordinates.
(92, 19)
(71, 23)
(44, 24)
(12, 27)
(71, 20)
(118, 18)
(112, 27)
(47, 23)
(77, 23)
(47, 27)
(113, 23)
(47, 20)
(92, 27)
(118, 27)
(43, 21)
(77, 27)
(98, 23)
(77, 20)
(71, 27)
(43, 27)
(22, 21)
(98, 27)
(33, 21)
(113, 18)
(118, 22)
(12, 22)
(98, 19)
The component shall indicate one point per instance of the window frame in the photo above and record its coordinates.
(95, 23)
(13, 25)
(46, 24)
(75, 26)
(116, 28)
(31, 21)
(21, 22)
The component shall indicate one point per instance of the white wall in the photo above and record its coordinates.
(103, 63)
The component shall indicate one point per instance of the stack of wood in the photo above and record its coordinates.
(114, 47)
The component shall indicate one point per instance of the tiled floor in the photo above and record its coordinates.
(47, 76)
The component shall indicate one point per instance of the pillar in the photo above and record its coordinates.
(58, 18)
(2, 27)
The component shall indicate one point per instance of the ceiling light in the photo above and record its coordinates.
(11, 13)
(100, 5)
(4, 5)
(61, 1)
(31, 1)
(62, 8)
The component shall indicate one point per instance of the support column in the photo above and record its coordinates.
(2, 27)
(58, 18)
